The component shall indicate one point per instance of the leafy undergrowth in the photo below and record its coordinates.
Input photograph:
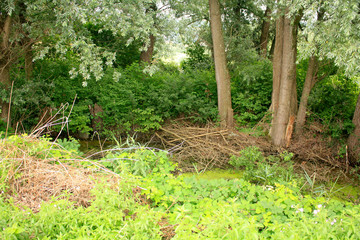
(147, 200)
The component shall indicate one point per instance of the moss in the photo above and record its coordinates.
(343, 192)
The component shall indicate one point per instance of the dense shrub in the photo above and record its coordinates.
(251, 92)
(333, 101)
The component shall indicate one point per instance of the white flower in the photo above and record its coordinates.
(319, 206)
(316, 212)
(84, 83)
(301, 210)
(292, 206)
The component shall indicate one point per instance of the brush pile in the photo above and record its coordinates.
(207, 146)
(210, 146)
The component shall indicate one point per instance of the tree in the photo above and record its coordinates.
(333, 36)
(60, 27)
(310, 81)
(221, 70)
(284, 101)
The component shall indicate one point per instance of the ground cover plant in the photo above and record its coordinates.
(142, 195)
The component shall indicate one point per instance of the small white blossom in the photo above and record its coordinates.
(319, 206)
(316, 212)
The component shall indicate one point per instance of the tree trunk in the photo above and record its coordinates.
(309, 83)
(221, 70)
(146, 56)
(5, 64)
(354, 138)
(264, 38)
(277, 64)
(284, 77)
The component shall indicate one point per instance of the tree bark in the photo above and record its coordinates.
(277, 64)
(284, 80)
(354, 138)
(309, 83)
(264, 38)
(221, 69)
(146, 56)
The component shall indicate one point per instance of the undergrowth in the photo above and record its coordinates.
(149, 201)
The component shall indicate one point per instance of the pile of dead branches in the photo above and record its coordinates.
(207, 146)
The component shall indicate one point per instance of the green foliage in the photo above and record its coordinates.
(192, 208)
(333, 101)
(132, 101)
(263, 170)
(251, 92)
(141, 162)
(111, 215)
(197, 58)
(70, 145)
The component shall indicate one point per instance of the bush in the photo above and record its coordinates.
(259, 169)
(333, 101)
(251, 93)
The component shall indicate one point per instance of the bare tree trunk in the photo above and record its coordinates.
(5, 63)
(309, 83)
(221, 70)
(146, 56)
(264, 38)
(354, 138)
(284, 86)
(277, 64)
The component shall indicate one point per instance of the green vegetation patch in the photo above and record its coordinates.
(147, 201)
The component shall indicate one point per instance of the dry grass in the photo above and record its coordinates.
(33, 179)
